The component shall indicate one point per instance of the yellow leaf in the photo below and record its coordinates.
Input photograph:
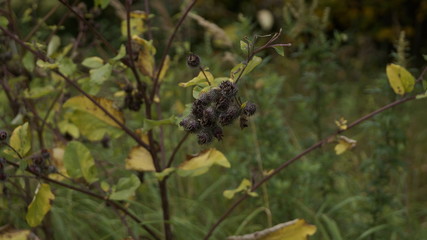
(20, 140)
(140, 159)
(17, 235)
(199, 79)
(245, 186)
(145, 56)
(400, 79)
(201, 163)
(297, 229)
(84, 104)
(57, 158)
(165, 68)
(344, 144)
(40, 205)
(341, 123)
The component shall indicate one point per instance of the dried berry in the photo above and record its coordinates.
(38, 160)
(198, 108)
(45, 154)
(193, 60)
(217, 132)
(226, 118)
(243, 121)
(228, 89)
(128, 88)
(3, 135)
(34, 169)
(51, 169)
(190, 124)
(214, 94)
(204, 137)
(223, 103)
(249, 109)
(205, 98)
(209, 117)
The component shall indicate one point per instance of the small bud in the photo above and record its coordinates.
(190, 124)
(249, 109)
(193, 60)
(228, 89)
(204, 137)
(3, 135)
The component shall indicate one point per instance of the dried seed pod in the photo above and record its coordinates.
(223, 103)
(209, 117)
(243, 121)
(217, 132)
(193, 61)
(204, 137)
(228, 89)
(249, 109)
(190, 124)
(227, 117)
(198, 108)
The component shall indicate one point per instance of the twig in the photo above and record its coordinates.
(303, 153)
(168, 46)
(172, 157)
(41, 21)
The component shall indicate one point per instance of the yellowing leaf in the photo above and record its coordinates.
(79, 162)
(297, 229)
(146, 56)
(201, 163)
(165, 68)
(40, 205)
(199, 79)
(140, 159)
(84, 104)
(57, 158)
(20, 140)
(341, 123)
(245, 186)
(344, 144)
(17, 235)
(400, 79)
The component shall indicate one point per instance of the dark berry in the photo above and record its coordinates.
(228, 89)
(135, 106)
(205, 98)
(45, 154)
(209, 117)
(214, 94)
(34, 169)
(243, 121)
(217, 132)
(51, 169)
(190, 124)
(128, 88)
(105, 141)
(193, 60)
(249, 109)
(38, 160)
(3, 135)
(227, 117)
(204, 137)
(223, 103)
(198, 108)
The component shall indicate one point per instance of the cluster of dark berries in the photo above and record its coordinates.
(133, 99)
(214, 110)
(3, 176)
(40, 163)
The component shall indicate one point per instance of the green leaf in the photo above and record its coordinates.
(421, 96)
(201, 163)
(37, 92)
(120, 54)
(102, 3)
(4, 21)
(20, 140)
(93, 62)
(67, 127)
(280, 51)
(45, 65)
(82, 103)
(40, 205)
(425, 57)
(244, 46)
(125, 188)
(67, 66)
(200, 88)
(199, 79)
(79, 162)
(53, 45)
(235, 72)
(28, 61)
(400, 79)
(100, 75)
(161, 175)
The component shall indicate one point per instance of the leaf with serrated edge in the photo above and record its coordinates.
(297, 229)
(40, 205)
(200, 164)
(84, 104)
(140, 159)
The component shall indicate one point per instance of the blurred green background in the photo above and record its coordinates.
(335, 68)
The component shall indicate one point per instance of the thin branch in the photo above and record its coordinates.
(77, 87)
(168, 46)
(41, 21)
(172, 157)
(303, 153)
(89, 193)
(165, 208)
